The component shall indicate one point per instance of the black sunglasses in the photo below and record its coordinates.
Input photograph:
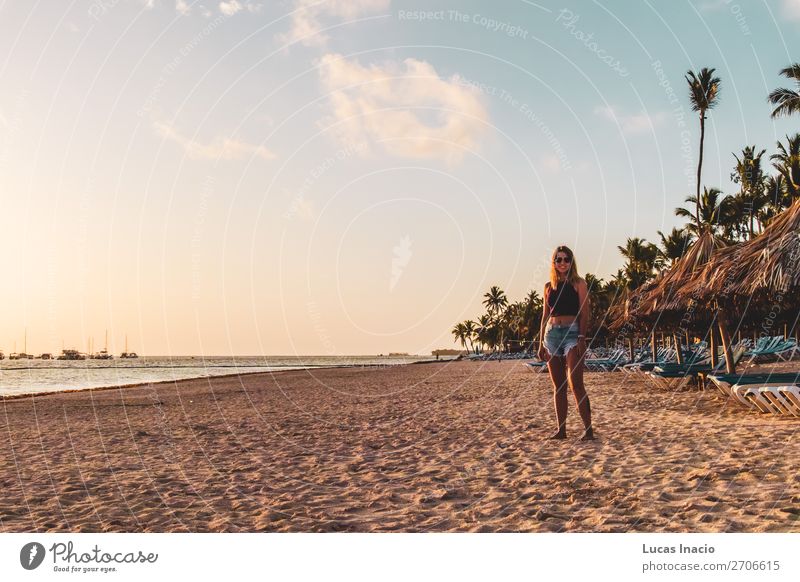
(562, 260)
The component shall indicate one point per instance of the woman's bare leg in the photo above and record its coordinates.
(575, 375)
(558, 375)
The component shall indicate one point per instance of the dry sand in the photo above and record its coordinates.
(455, 446)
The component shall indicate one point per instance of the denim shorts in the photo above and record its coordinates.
(560, 339)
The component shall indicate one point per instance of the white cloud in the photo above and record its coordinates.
(632, 124)
(308, 16)
(230, 8)
(404, 108)
(220, 148)
(226, 7)
(791, 9)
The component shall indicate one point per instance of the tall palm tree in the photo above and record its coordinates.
(750, 176)
(787, 101)
(787, 162)
(673, 246)
(703, 95)
(710, 209)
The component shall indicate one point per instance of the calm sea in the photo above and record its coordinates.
(32, 376)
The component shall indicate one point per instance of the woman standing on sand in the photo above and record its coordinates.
(566, 313)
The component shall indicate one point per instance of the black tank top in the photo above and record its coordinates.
(563, 300)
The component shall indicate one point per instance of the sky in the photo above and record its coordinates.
(348, 176)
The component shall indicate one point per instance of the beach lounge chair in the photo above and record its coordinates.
(776, 397)
(791, 395)
(751, 396)
(781, 348)
(776, 393)
(726, 382)
(537, 367)
(677, 376)
(605, 364)
(663, 356)
(771, 399)
(696, 354)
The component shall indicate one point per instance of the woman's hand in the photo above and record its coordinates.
(543, 354)
(581, 347)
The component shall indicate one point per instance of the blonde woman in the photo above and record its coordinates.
(565, 318)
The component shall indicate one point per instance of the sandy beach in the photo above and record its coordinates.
(454, 446)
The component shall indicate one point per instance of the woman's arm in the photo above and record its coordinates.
(545, 311)
(585, 308)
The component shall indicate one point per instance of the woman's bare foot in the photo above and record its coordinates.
(588, 435)
(558, 436)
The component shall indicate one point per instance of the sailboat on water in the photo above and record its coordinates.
(103, 354)
(126, 354)
(24, 355)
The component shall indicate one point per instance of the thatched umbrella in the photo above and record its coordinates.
(768, 263)
(663, 294)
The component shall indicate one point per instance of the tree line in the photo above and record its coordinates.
(732, 218)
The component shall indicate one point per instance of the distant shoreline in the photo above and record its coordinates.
(22, 395)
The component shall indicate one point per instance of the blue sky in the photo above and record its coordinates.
(349, 177)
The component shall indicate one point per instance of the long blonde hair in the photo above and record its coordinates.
(572, 275)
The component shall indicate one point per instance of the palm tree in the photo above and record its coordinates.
(616, 286)
(673, 246)
(710, 209)
(641, 259)
(778, 195)
(495, 300)
(787, 162)
(787, 101)
(532, 316)
(703, 95)
(750, 176)
(460, 333)
(734, 217)
(513, 323)
(598, 299)
(488, 331)
(469, 332)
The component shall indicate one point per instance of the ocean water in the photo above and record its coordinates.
(34, 376)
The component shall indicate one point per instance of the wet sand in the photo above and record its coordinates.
(451, 446)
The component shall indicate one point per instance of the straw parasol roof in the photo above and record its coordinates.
(769, 262)
(664, 292)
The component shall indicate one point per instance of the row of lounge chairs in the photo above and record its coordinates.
(673, 376)
(769, 392)
(696, 360)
